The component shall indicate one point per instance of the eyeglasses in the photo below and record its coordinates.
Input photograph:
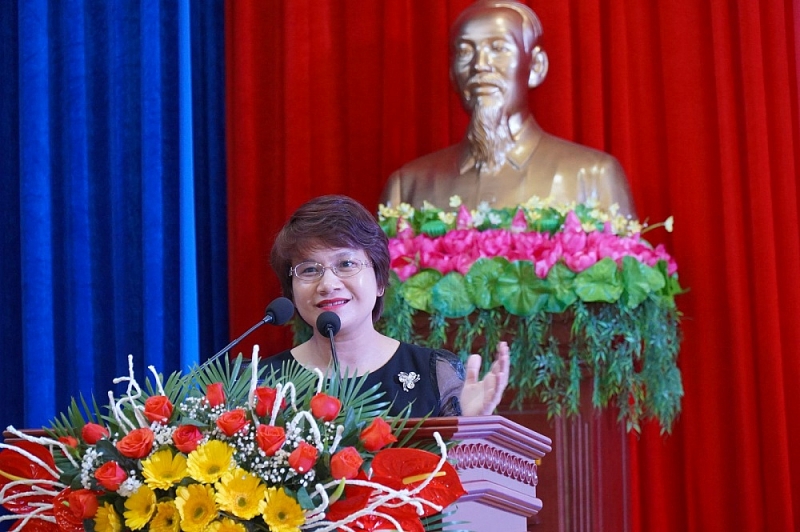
(311, 271)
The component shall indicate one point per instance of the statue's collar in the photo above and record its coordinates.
(525, 142)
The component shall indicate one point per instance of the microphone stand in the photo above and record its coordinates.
(334, 356)
(278, 312)
(225, 349)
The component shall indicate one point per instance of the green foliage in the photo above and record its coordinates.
(617, 325)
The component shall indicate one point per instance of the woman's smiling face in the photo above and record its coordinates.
(351, 298)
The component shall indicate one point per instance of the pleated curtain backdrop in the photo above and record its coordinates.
(699, 101)
(113, 196)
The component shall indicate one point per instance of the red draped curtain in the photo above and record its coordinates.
(698, 99)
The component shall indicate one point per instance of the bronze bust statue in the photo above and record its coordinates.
(505, 157)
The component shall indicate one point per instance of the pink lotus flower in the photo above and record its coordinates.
(403, 256)
(495, 243)
(519, 224)
(463, 218)
(573, 238)
(459, 248)
(580, 261)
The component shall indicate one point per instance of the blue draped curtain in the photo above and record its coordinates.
(113, 236)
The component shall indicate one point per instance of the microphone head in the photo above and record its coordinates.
(280, 311)
(328, 323)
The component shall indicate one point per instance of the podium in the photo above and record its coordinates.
(497, 462)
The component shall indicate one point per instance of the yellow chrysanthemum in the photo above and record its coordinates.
(282, 513)
(241, 494)
(167, 518)
(139, 508)
(107, 519)
(196, 506)
(226, 525)
(163, 470)
(209, 461)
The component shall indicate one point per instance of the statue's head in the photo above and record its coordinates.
(495, 55)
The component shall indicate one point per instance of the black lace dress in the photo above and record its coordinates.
(429, 379)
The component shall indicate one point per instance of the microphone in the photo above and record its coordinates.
(328, 324)
(278, 312)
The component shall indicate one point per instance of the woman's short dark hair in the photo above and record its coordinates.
(331, 222)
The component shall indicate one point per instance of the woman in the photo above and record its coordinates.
(333, 256)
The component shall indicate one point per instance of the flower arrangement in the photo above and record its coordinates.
(212, 451)
(576, 290)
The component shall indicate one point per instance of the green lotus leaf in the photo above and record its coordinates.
(481, 280)
(519, 290)
(434, 228)
(559, 282)
(639, 281)
(450, 298)
(600, 282)
(422, 217)
(417, 290)
(549, 221)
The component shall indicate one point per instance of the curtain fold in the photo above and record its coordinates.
(699, 101)
(113, 196)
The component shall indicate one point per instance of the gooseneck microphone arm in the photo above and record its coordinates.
(328, 324)
(278, 312)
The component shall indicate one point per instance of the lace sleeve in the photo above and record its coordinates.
(450, 376)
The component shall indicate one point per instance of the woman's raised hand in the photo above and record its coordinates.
(481, 397)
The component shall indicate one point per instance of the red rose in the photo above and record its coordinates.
(325, 407)
(215, 395)
(69, 441)
(186, 438)
(232, 422)
(303, 458)
(270, 438)
(346, 463)
(110, 475)
(265, 400)
(158, 408)
(137, 444)
(83, 504)
(377, 435)
(93, 433)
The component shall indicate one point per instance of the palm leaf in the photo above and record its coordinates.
(436, 522)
